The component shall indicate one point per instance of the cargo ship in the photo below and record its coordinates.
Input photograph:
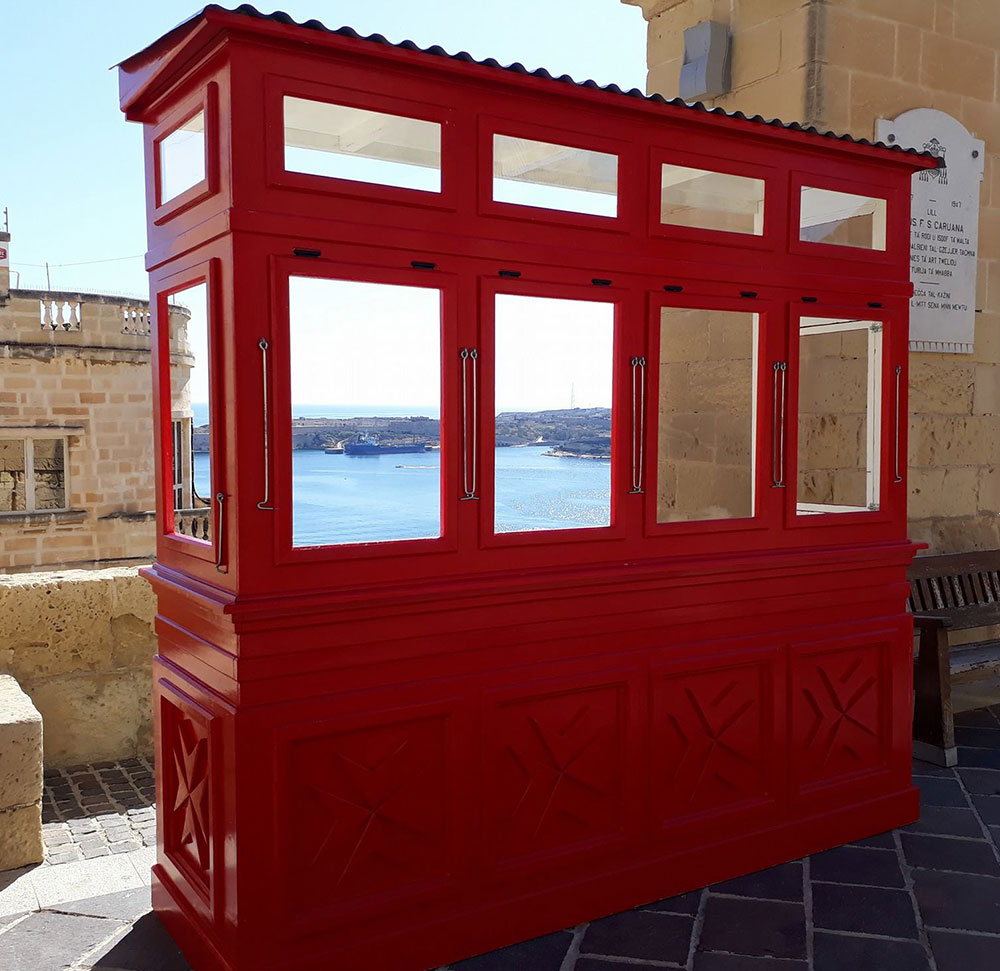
(371, 445)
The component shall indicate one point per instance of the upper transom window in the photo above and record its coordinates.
(551, 176)
(342, 142)
(702, 199)
(182, 158)
(841, 218)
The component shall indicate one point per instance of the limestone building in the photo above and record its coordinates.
(842, 65)
(76, 428)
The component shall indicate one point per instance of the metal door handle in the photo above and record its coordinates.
(898, 476)
(265, 503)
(638, 423)
(470, 358)
(778, 427)
(220, 498)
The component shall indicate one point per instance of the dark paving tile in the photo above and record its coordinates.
(983, 758)
(783, 882)
(978, 718)
(764, 928)
(864, 910)
(638, 934)
(989, 808)
(145, 947)
(981, 781)
(939, 792)
(856, 865)
(978, 737)
(838, 952)
(711, 961)
(43, 940)
(685, 903)
(964, 952)
(919, 767)
(958, 900)
(542, 953)
(944, 853)
(947, 821)
(881, 841)
(124, 905)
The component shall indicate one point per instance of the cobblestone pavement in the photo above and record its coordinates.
(97, 810)
(922, 898)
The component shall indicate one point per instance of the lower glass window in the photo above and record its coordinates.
(191, 437)
(365, 397)
(839, 415)
(553, 413)
(706, 415)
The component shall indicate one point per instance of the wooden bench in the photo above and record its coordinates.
(950, 592)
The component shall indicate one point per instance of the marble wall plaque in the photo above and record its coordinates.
(944, 228)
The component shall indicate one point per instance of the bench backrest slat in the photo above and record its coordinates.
(954, 580)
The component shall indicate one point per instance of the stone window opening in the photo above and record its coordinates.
(33, 474)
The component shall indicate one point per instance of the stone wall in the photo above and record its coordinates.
(80, 643)
(841, 65)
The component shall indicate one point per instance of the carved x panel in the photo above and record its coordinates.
(371, 805)
(836, 712)
(187, 806)
(557, 767)
(709, 738)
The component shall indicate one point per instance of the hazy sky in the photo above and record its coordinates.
(71, 166)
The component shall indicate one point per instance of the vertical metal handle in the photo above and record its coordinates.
(778, 427)
(470, 358)
(638, 423)
(897, 474)
(220, 517)
(265, 503)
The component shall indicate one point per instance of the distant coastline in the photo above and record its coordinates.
(566, 433)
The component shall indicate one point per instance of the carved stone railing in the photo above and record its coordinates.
(196, 523)
(59, 314)
(135, 321)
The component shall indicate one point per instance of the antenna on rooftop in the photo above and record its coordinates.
(6, 221)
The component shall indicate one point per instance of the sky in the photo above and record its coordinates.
(71, 169)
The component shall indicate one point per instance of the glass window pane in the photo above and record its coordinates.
(189, 397)
(366, 392)
(711, 200)
(842, 219)
(50, 473)
(553, 413)
(182, 158)
(12, 497)
(839, 396)
(549, 176)
(361, 145)
(706, 415)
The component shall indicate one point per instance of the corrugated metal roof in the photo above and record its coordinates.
(280, 17)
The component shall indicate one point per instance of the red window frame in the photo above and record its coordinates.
(283, 268)
(775, 214)
(209, 273)
(490, 125)
(490, 287)
(770, 342)
(206, 101)
(278, 87)
(889, 498)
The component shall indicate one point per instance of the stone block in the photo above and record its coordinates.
(20, 777)
(954, 65)
(781, 96)
(978, 20)
(940, 386)
(908, 46)
(918, 13)
(749, 13)
(21, 837)
(943, 493)
(20, 747)
(986, 398)
(859, 43)
(756, 54)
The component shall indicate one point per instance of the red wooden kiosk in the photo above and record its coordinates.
(391, 746)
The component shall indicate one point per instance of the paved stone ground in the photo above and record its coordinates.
(97, 810)
(924, 898)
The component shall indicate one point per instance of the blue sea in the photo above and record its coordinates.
(368, 498)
